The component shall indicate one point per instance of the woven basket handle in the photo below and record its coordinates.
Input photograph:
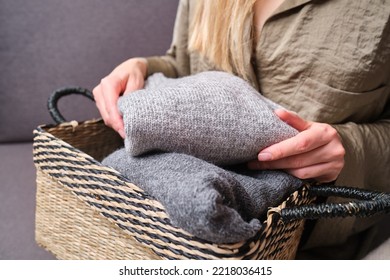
(368, 203)
(57, 94)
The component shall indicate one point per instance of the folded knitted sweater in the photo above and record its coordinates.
(179, 134)
(207, 201)
(212, 115)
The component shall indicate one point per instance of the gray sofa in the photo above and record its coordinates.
(47, 44)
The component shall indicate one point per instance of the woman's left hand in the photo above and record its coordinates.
(316, 152)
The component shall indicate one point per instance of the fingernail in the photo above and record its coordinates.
(122, 133)
(264, 156)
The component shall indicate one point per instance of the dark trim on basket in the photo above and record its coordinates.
(369, 203)
(58, 94)
(117, 220)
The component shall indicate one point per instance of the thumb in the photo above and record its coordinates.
(293, 119)
(135, 82)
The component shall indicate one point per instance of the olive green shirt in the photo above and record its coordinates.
(329, 61)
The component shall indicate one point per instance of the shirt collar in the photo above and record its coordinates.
(290, 4)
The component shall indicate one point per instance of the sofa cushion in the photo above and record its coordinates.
(48, 44)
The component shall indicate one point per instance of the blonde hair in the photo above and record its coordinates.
(216, 32)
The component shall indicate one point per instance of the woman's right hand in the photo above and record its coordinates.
(125, 78)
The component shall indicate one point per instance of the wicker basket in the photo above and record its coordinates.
(89, 211)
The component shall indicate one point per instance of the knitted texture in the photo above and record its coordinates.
(212, 115)
(207, 201)
(178, 133)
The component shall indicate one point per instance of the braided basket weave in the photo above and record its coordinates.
(89, 211)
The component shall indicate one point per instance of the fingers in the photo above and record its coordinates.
(305, 141)
(317, 156)
(106, 95)
(135, 82)
(323, 164)
(292, 119)
(112, 87)
(317, 173)
(127, 77)
(98, 95)
(136, 74)
(316, 152)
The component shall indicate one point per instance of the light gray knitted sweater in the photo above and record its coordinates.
(212, 115)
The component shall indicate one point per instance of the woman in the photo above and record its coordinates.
(327, 61)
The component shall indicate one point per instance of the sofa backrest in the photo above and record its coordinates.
(48, 44)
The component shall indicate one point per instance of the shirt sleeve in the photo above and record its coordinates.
(176, 62)
(367, 166)
(367, 159)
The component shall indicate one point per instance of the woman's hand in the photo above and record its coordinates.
(316, 152)
(125, 78)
